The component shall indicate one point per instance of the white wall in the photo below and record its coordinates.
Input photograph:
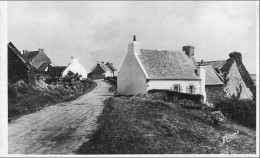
(167, 84)
(131, 79)
(108, 74)
(75, 67)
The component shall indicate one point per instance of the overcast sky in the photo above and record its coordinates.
(101, 31)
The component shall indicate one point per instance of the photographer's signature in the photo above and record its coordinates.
(228, 138)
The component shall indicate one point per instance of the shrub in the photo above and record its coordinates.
(190, 104)
(241, 111)
(167, 95)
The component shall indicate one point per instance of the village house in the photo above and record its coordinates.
(37, 59)
(18, 68)
(235, 79)
(101, 70)
(144, 69)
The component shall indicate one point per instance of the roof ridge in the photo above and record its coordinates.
(161, 50)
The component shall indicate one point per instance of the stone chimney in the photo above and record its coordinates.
(237, 56)
(134, 47)
(25, 51)
(189, 50)
(72, 59)
(41, 50)
(202, 74)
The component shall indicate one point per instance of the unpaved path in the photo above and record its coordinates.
(58, 129)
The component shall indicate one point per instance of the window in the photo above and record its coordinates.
(176, 87)
(191, 89)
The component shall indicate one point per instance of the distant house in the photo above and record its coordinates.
(236, 79)
(75, 67)
(102, 70)
(18, 68)
(37, 59)
(144, 69)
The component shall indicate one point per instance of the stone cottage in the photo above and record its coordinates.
(18, 68)
(235, 78)
(37, 59)
(145, 69)
(101, 70)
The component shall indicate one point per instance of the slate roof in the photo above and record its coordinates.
(168, 64)
(111, 67)
(105, 67)
(29, 56)
(216, 64)
(43, 66)
(211, 76)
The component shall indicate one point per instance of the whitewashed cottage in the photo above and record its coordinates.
(75, 67)
(144, 69)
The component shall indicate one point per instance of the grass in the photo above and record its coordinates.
(25, 99)
(136, 125)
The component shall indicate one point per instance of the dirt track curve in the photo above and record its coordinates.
(58, 129)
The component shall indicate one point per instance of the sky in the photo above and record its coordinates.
(101, 31)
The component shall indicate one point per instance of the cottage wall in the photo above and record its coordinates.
(75, 67)
(168, 84)
(97, 73)
(131, 79)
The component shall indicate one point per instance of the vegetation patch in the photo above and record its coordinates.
(241, 111)
(26, 98)
(168, 95)
(137, 125)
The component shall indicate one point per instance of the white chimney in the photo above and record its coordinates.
(134, 47)
(74, 59)
(202, 74)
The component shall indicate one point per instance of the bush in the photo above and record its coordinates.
(171, 96)
(241, 111)
(190, 104)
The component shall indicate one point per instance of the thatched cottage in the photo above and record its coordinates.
(37, 59)
(235, 78)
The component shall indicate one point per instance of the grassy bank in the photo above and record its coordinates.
(27, 98)
(137, 125)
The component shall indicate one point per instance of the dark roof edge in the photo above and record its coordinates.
(197, 79)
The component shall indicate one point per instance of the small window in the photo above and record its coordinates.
(176, 87)
(191, 89)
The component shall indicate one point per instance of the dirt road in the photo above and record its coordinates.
(58, 129)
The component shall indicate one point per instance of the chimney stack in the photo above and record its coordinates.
(41, 50)
(202, 74)
(134, 47)
(189, 50)
(25, 51)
